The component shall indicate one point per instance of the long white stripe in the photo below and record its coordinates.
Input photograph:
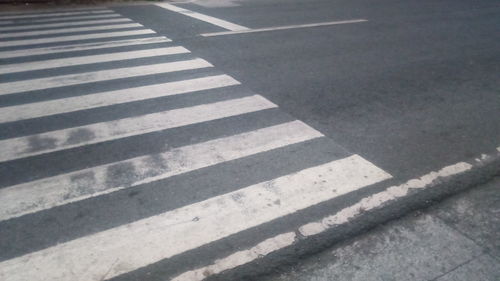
(310, 229)
(50, 10)
(106, 131)
(46, 64)
(56, 14)
(123, 24)
(73, 18)
(46, 108)
(62, 39)
(128, 247)
(215, 21)
(29, 28)
(81, 47)
(282, 27)
(103, 75)
(46, 193)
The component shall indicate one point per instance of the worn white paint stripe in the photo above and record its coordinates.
(46, 108)
(55, 14)
(82, 47)
(66, 38)
(123, 24)
(264, 248)
(102, 75)
(50, 10)
(46, 193)
(282, 27)
(29, 28)
(105, 131)
(378, 199)
(47, 64)
(212, 20)
(128, 247)
(280, 241)
(67, 19)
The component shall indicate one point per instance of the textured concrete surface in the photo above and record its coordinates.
(454, 240)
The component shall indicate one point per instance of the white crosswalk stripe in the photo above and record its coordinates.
(58, 19)
(195, 101)
(125, 24)
(46, 64)
(97, 76)
(62, 39)
(26, 29)
(82, 47)
(56, 14)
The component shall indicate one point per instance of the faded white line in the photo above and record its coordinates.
(29, 28)
(282, 27)
(46, 193)
(46, 108)
(123, 24)
(377, 200)
(72, 19)
(64, 39)
(55, 14)
(131, 246)
(105, 131)
(82, 47)
(47, 64)
(212, 20)
(102, 75)
(264, 248)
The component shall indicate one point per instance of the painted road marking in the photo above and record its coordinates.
(105, 131)
(66, 38)
(94, 256)
(56, 14)
(215, 21)
(47, 64)
(281, 241)
(125, 24)
(51, 107)
(30, 28)
(54, 191)
(265, 29)
(102, 75)
(82, 47)
(73, 18)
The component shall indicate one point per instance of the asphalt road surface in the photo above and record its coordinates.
(160, 141)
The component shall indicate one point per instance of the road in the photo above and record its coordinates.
(158, 141)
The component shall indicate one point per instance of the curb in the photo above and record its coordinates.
(481, 171)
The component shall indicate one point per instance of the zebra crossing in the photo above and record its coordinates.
(122, 154)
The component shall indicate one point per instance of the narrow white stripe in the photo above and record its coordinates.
(123, 24)
(103, 75)
(46, 193)
(281, 27)
(46, 108)
(265, 247)
(128, 247)
(106, 131)
(29, 28)
(82, 47)
(15, 13)
(46, 64)
(215, 21)
(62, 39)
(67, 19)
(57, 14)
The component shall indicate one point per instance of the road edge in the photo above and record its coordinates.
(480, 171)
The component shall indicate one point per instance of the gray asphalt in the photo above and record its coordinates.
(414, 89)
